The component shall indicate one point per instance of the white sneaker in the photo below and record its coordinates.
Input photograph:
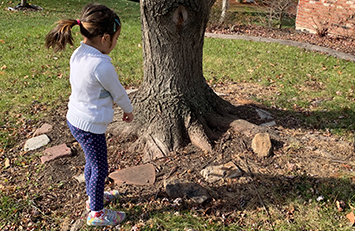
(105, 217)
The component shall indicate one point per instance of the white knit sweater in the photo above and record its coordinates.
(94, 87)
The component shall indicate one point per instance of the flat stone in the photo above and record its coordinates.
(137, 175)
(129, 91)
(220, 93)
(224, 171)
(245, 127)
(268, 124)
(36, 142)
(264, 115)
(45, 128)
(56, 152)
(261, 144)
(182, 188)
(80, 178)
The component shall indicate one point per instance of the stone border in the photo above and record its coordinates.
(307, 46)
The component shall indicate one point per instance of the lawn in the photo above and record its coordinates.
(317, 89)
(35, 79)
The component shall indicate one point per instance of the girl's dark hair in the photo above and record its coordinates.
(95, 20)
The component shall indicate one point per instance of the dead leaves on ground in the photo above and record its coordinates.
(351, 217)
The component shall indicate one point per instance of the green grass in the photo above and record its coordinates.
(10, 209)
(34, 82)
(299, 78)
(33, 77)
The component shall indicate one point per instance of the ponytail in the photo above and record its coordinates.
(95, 20)
(58, 37)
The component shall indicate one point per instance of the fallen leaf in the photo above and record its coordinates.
(351, 217)
(291, 210)
(7, 162)
(340, 205)
(346, 166)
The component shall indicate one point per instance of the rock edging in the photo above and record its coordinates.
(307, 46)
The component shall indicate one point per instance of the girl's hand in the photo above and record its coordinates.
(127, 117)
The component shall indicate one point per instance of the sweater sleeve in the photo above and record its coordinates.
(106, 74)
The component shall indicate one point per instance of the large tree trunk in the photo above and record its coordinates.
(175, 105)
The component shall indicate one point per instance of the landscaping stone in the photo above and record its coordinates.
(137, 175)
(80, 178)
(45, 128)
(261, 144)
(268, 124)
(264, 115)
(245, 127)
(36, 142)
(220, 93)
(224, 171)
(56, 152)
(129, 91)
(182, 188)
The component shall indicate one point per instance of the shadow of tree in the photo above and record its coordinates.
(309, 172)
(339, 120)
(276, 197)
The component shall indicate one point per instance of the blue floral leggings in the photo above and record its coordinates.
(96, 166)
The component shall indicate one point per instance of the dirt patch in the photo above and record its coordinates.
(300, 155)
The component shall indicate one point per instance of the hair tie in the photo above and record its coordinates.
(114, 24)
(78, 21)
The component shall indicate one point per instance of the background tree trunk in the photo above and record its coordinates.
(23, 2)
(225, 8)
(174, 105)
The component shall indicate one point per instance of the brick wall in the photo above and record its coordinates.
(333, 17)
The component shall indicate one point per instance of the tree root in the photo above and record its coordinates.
(199, 137)
(163, 133)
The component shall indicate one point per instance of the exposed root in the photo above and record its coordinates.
(226, 109)
(160, 134)
(216, 121)
(138, 145)
(198, 137)
(154, 149)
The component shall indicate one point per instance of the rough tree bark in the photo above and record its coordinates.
(174, 105)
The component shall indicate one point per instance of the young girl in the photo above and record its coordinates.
(94, 88)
